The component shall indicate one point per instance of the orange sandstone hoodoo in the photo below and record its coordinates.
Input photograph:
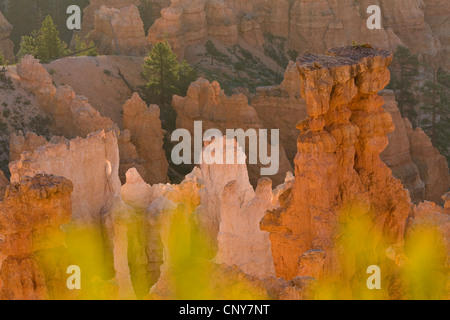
(337, 165)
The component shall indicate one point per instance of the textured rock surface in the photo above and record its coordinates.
(146, 133)
(436, 15)
(119, 30)
(250, 31)
(3, 184)
(222, 23)
(183, 23)
(286, 100)
(291, 108)
(92, 165)
(397, 154)
(20, 143)
(129, 157)
(94, 5)
(272, 16)
(239, 211)
(338, 162)
(106, 90)
(30, 219)
(206, 102)
(36, 79)
(73, 114)
(433, 167)
(6, 45)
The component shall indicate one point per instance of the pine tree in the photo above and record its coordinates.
(402, 81)
(84, 47)
(211, 50)
(49, 45)
(187, 75)
(437, 110)
(28, 45)
(44, 44)
(162, 72)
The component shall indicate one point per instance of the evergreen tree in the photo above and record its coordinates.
(49, 45)
(28, 45)
(212, 51)
(84, 47)
(44, 44)
(402, 81)
(437, 110)
(161, 70)
(187, 75)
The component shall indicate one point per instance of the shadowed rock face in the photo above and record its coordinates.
(337, 163)
(6, 45)
(207, 102)
(146, 133)
(3, 183)
(30, 219)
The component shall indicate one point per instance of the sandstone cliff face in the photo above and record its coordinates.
(436, 15)
(6, 45)
(106, 90)
(92, 165)
(119, 31)
(433, 167)
(36, 79)
(291, 109)
(337, 163)
(240, 210)
(206, 102)
(272, 16)
(94, 5)
(250, 31)
(146, 133)
(222, 23)
(183, 23)
(397, 154)
(73, 114)
(402, 23)
(30, 219)
(286, 100)
(74, 117)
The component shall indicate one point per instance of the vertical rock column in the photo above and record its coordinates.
(32, 259)
(337, 165)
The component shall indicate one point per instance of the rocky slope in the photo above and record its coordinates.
(73, 115)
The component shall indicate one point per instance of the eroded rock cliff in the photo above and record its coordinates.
(92, 165)
(119, 31)
(338, 163)
(147, 135)
(206, 102)
(30, 218)
(290, 108)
